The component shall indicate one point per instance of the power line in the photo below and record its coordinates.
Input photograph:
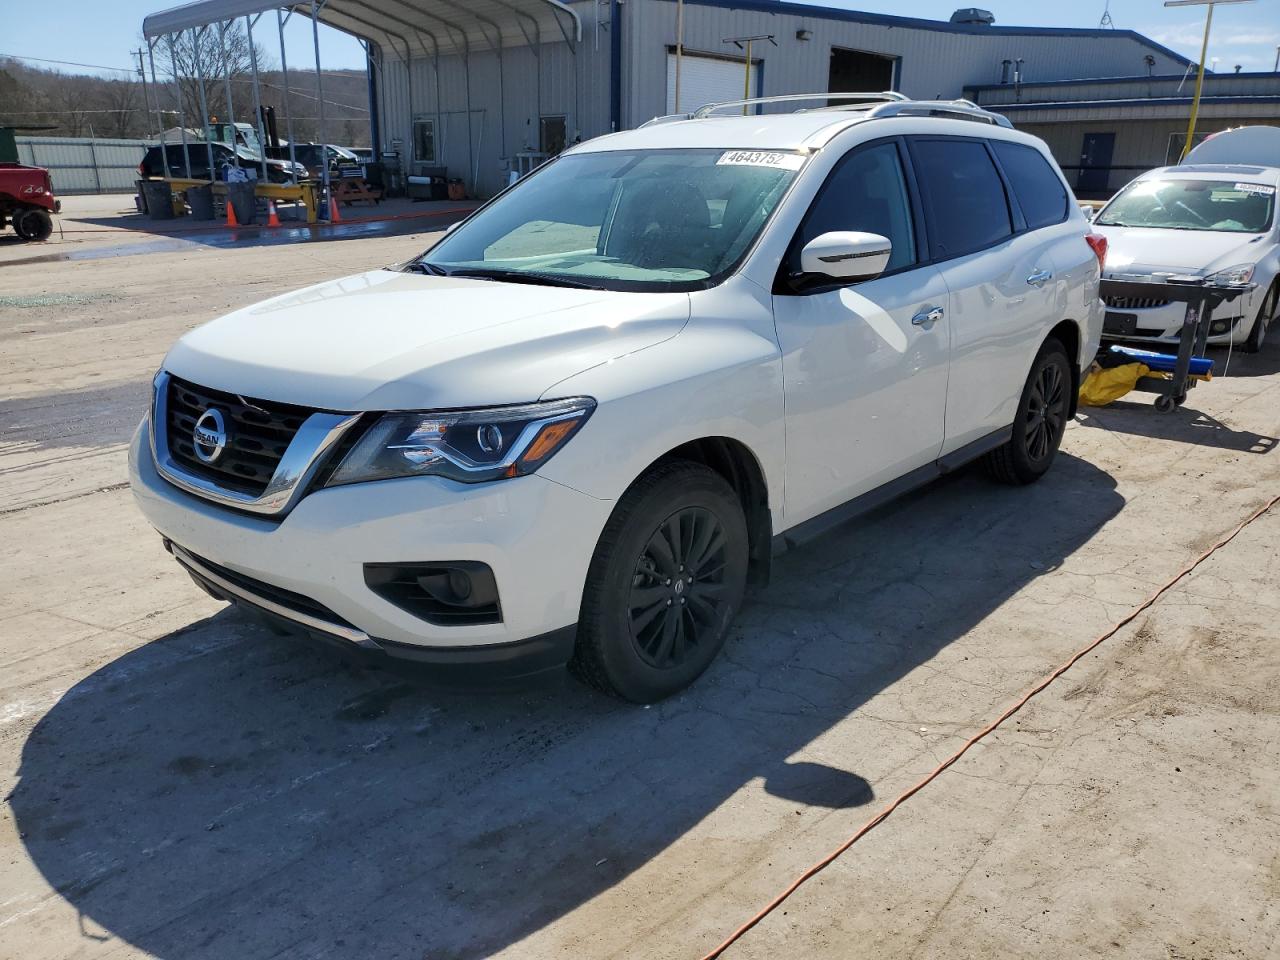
(67, 63)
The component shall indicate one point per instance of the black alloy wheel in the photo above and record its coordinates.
(1046, 412)
(1040, 420)
(666, 580)
(678, 590)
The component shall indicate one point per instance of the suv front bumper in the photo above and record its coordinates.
(536, 535)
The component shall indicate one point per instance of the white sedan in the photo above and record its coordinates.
(1204, 220)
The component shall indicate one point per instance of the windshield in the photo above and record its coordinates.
(626, 220)
(1226, 205)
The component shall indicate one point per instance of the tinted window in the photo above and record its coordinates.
(963, 195)
(1039, 190)
(868, 192)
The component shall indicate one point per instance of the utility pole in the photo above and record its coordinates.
(1204, 50)
(146, 99)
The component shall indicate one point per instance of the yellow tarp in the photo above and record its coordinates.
(1101, 386)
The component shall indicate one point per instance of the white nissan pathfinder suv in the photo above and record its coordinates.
(576, 427)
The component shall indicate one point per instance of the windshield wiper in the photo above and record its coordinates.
(421, 266)
(524, 276)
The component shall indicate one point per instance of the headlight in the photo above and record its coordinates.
(1235, 276)
(470, 446)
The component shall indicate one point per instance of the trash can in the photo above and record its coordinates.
(200, 200)
(240, 196)
(158, 196)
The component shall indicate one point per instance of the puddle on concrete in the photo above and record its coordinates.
(247, 237)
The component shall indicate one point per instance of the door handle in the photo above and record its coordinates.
(1040, 278)
(925, 317)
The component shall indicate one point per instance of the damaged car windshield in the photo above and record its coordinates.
(1225, 205)
(625, 220)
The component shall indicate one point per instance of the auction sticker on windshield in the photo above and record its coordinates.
(1265, 189)
(761, 158)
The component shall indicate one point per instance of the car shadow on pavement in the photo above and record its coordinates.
(1182, 424)
(222, 793)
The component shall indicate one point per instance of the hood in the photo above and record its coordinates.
(1144, 250)
(386, 340)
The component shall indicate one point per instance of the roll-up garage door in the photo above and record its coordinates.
(706, 80)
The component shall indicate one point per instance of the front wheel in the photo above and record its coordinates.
(666, 580)
(1266, 312)
(33, 224)
(1040, 422)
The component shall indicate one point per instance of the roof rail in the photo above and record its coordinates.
(956, 109)
(887, 96)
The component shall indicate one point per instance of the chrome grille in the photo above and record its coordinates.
(258, 434)
(1134, 303)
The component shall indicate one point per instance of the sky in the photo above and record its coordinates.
(1246, 34)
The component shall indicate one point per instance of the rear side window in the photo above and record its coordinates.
(1039, 189)
(963, 196)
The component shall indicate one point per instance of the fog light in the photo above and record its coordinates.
(454, 592)
(1219, 326)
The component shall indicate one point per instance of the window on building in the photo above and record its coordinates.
(551, 135)
(964, 195)
(867, 192)
(424, 141)
(1040, 192)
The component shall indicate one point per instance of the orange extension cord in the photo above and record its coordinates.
(883, 815)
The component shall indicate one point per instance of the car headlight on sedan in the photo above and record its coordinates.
(470, 446)
(1236, 276)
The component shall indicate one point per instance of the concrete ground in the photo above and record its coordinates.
(180, 783)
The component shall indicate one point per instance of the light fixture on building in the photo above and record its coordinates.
(804, 34)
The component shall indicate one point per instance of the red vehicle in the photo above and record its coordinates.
(27, 201)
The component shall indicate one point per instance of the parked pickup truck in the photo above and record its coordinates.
(27, 200)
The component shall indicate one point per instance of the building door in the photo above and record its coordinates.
(706, 80)
(1095, 163)
(855, 71)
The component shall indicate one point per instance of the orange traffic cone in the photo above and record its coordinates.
(272, 219)
(334, 217)
(231, 214)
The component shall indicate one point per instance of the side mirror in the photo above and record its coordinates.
(846, 255)
(1088, 211)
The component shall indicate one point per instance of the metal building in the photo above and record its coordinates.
(486, 87)
(1105, 132)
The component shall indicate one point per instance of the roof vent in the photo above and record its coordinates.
(974, 17)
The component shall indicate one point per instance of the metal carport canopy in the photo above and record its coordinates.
(431, 26)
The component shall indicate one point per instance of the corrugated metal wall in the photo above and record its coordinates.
(1140, 145)
(84, 165)
(1137, 88)
(934, 63)
(506, 100)
(505, 105)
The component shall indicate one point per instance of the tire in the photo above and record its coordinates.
(1253, 343)
(1040, 421)
(651, 620)
(33, 225)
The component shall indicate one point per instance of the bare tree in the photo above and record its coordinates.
(124, 115)
(71, 102)
(219, 57)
